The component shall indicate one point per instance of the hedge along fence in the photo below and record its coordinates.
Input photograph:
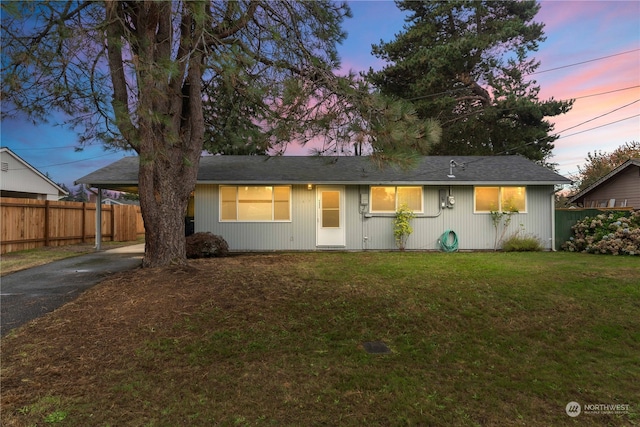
(29, 224)
(567, 218)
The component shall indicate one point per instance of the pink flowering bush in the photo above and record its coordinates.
(616, 233)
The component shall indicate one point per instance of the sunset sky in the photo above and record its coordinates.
(592, 54)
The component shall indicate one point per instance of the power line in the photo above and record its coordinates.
(451, 91)
(597, 117)
(601, 126)
(76, 161)
(605, 93)
(565, 136)
(66, 163)
(582, 62)
(44, 148)
(566, 99)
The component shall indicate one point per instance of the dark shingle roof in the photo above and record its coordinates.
(434, 170)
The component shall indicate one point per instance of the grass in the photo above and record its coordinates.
(477, 339)
(21, 260)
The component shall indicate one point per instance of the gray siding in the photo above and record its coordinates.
(299, 234)
(474, 231)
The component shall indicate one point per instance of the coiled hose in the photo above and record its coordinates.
(444, 241)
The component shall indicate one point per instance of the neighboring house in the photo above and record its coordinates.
(262, 203)
(19, 179)
(618, 188)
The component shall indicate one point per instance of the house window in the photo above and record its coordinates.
(252, 203)
(501, 199)
(390, 198)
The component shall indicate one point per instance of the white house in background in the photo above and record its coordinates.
(19, 179)
(287, 203)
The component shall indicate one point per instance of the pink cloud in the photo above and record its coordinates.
(559, 15)
(610, 74)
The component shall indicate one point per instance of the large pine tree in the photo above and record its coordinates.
(169, 79)
(466, 63)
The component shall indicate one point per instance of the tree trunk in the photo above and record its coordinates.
(169, 161)
(165, 187)
(168, 130)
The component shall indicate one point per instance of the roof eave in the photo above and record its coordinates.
(378, 182)
(604, 179)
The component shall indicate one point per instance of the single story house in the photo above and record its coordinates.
(21, 180)
(261, 203)
(618, 188)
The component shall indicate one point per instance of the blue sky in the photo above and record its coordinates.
(595, 45)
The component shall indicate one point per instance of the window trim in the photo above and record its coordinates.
(273, 204)
(500, 187)
(371, 187)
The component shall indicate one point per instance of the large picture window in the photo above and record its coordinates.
(500, 199)
(252, 203)
(390, 198)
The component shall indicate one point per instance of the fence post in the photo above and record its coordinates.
(99, 220)
(113, 223)
(84, 222)
(47, 207)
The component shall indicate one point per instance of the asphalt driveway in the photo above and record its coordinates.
(28, 294)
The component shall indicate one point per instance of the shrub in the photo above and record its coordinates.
(402, 226)
(518, 243)
(616, 233)
(501, 220)
(206, 245)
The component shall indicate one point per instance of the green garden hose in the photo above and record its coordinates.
(444, 241)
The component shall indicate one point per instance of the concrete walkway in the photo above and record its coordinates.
(28, 294)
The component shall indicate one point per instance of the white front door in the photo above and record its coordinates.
(330, 216)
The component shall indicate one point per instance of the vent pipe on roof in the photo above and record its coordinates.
(453, 164)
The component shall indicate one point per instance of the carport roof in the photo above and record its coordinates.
(430, 170)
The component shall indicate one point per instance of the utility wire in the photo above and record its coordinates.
(66, 163)
(582, 62)
(566, 99)
(597, 127)
(44, 148)
(451, 91)
(559, 137)
(604, 93)
(597, 117)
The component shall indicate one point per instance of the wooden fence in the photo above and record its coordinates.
(28, 223)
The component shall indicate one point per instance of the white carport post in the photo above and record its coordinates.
(99, 220)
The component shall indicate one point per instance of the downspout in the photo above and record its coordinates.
(363, 207)
(553, 221)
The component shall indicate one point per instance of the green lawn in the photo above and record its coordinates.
(476, 339)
